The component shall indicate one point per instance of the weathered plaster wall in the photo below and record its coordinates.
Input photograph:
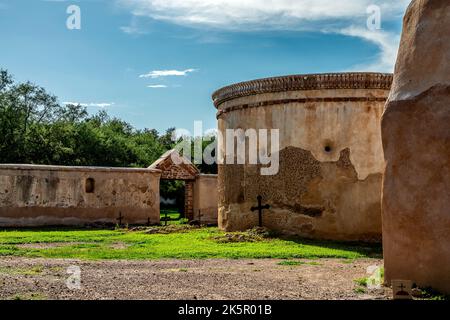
(206, 198)
(46, 195)
(416, 138)
(331, 157)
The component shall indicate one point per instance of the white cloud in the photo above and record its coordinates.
(167, 73)
(157, 86)
(259, 14)
(132, 30)
(92, 104)
(387, 42)
(329, 16)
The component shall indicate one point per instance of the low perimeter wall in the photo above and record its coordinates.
(33, 195)
(206, 199)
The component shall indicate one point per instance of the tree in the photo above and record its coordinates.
(36, 129)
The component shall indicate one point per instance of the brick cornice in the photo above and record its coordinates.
(304, 82)
(301, 100)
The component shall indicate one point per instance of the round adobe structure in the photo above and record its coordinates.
(328, 185)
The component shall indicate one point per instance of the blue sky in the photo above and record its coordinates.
(155, 63)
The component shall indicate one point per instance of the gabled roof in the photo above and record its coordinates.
(175, 167)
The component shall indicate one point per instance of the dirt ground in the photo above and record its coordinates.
(23, 278)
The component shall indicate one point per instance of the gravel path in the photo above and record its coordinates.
(181, 279)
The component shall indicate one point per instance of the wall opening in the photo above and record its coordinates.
(90, 185)
(172, 200)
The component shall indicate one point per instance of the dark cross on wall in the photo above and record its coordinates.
(120, 218)
(260, 209)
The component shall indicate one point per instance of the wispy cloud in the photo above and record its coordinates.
(387, 43)
(132, 30)
(91, 104)
(260, 14)
(157, 86)
(167, 73)
(339, 17)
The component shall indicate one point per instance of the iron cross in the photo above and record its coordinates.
(260, 209)
(120, 218)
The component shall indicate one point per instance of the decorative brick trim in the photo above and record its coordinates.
(301, 100)
(304, 82)
(189, 200)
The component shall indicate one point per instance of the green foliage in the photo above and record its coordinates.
(36, 129)
(297, 263)
(432, 294)
(195, 243)
(361, 282)
(290, 263)
(361, 285)
(172, 191)
(359, 290)
(172, 215)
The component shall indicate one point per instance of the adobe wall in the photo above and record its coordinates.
(206, 199)
(33, 195)
(331, 156)
(416, 138)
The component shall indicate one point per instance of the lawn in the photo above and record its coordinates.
(188, 244)
(173, 217)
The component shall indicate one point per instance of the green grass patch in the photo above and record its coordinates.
(432, 294)
(298, 263)
(361, 285)
(347, 261)
(290, 263)
(32, 271)
(173, 217)
(362, 282)
(360, 290)
(29, 296)
(197, 243)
